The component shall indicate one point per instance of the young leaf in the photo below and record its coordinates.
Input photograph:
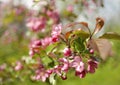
(102, 46)
(81, 33)
(99, 25)
(51, 47)
(68, 34)
(84, 24)
(46, 60)
(111, 35)
(78, 44)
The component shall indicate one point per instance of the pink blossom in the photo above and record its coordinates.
(78, 64)
(92, 65)
(56, 31)
(36, 43)
(2, 67)
(70, 8)
(67, 52)
(54, 15)
(41, 74)
(57, 70)
(91, 51)
(31, 52)
(19, 10)
(46, 41)
(36, 24)
(64, 77)
(55, 39)
(18, 66)
(60, 71)
(64, 64)
(81, 74)
(34, 47)
(63, 67)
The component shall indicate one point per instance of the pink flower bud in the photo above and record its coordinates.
(64, 77)
(67, 52)
(91, 51)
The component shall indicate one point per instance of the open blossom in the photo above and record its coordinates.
(46, 41)
(79, 67)
(36, 24)
(62, 69)
(56, 30)
(77, 64)
(34, 47)
(64, 64)
(92, 65)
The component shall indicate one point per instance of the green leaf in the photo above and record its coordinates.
(52, 79)
(2, 30)
(82, 34)
(46, 60)
(78, 45)
(51, 47)
(111, 35)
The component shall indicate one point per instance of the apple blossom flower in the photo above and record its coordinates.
(34, 47)
(56, 31)
(78, 64)
(92, 65)
(46, 41)
(64, 64)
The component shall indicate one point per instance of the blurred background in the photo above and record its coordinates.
(15, 37)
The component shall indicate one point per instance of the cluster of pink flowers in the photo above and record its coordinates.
(36, 24)
(64, 66)
(65, 63)
(70, 59)
(36, 44)
(54, 15)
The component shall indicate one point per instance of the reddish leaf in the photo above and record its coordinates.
(68, 34)
(84, 24)
(99, 25)
(102, 46)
